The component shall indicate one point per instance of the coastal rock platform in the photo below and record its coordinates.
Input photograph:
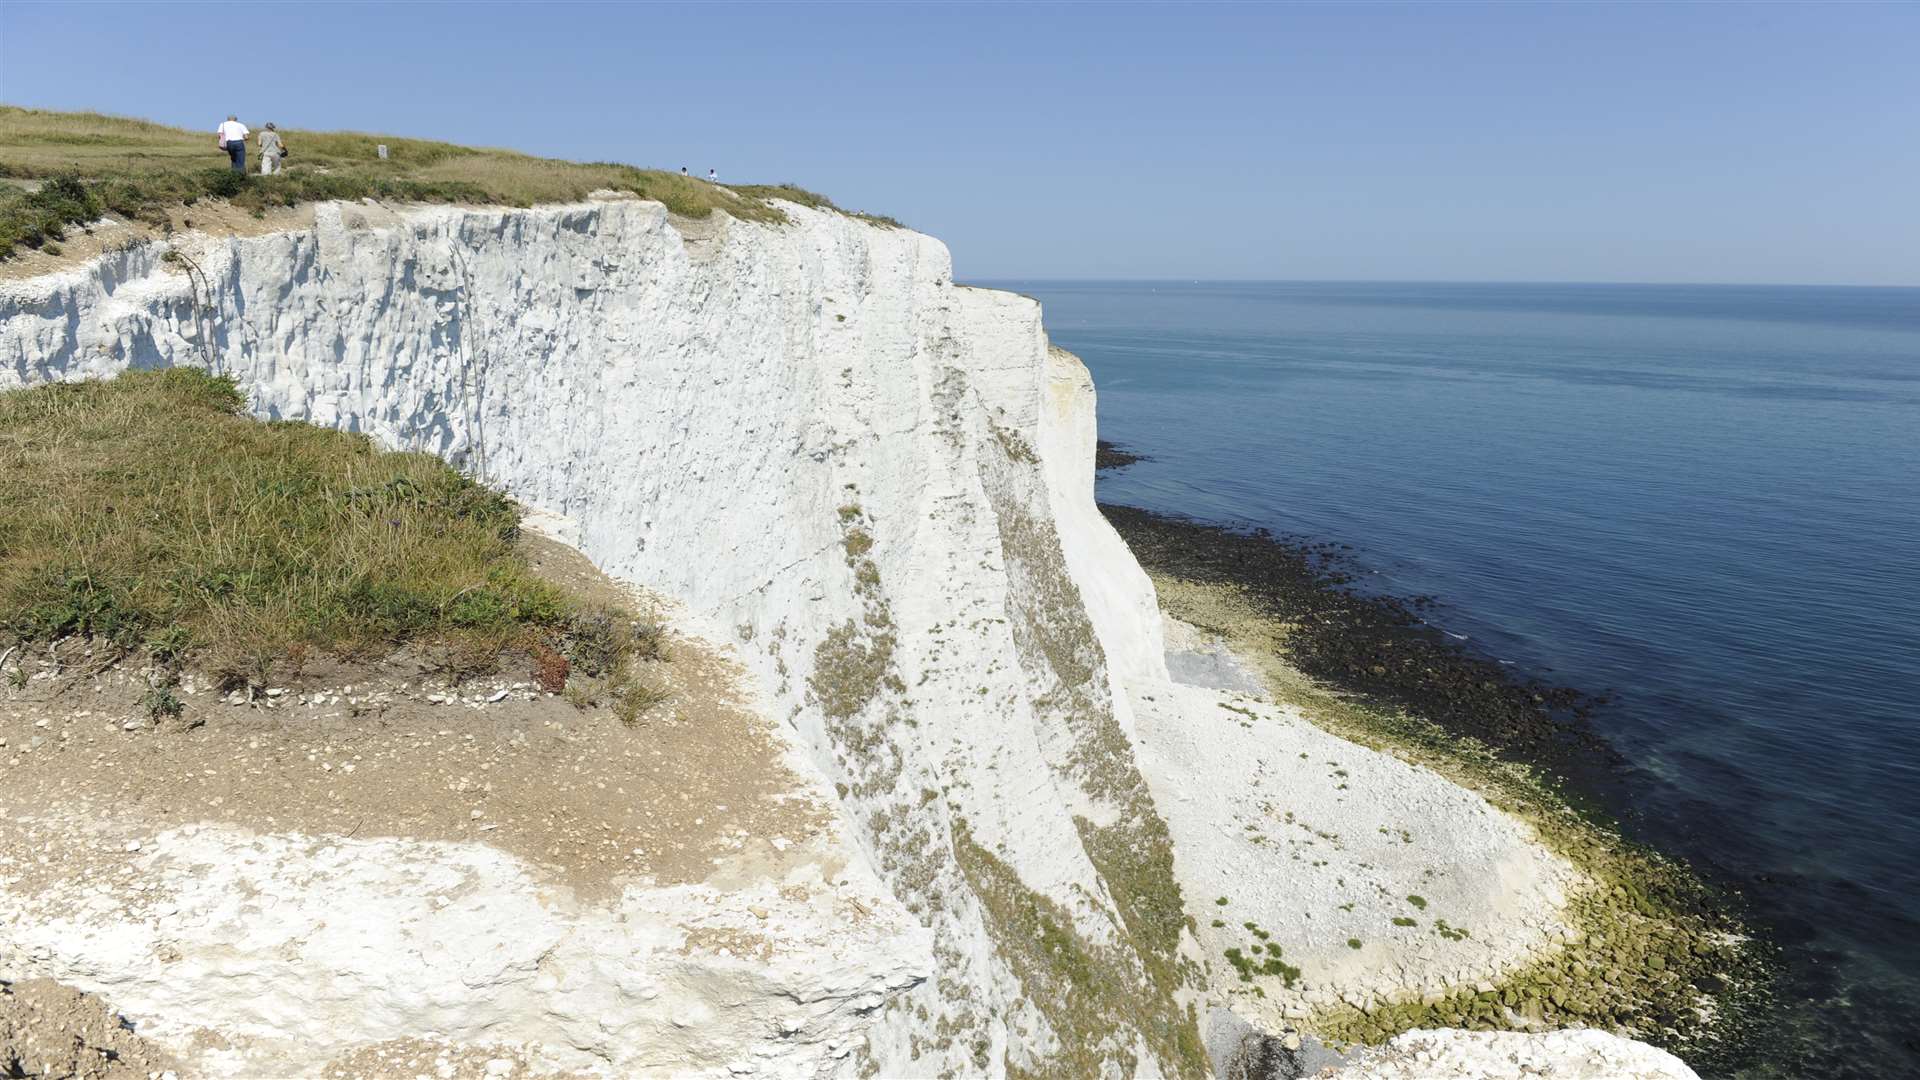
(1325, 872)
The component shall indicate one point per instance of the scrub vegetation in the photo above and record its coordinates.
(148, 514)
(793, 194)
(1087, 991)
(1132, 850)
(1250, 966)
(65, 169)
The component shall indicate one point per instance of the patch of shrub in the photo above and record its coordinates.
(162, 703)
(633, 697)
(224, 183)
(596, 639)
(550, 669)
(32, 219)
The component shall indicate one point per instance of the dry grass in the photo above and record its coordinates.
(138, 169)
(147, 513)
(795, 194)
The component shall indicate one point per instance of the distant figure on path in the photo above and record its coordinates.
(712, 177)
(271, 150)
(683, 170)
(233, 139)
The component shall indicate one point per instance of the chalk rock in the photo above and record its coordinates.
(878, 481)
(1505, 1055)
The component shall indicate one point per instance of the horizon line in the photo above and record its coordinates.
(1434, 281)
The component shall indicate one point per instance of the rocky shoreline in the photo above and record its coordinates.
(1108, 456)
(1376, 646)
(1658, 952)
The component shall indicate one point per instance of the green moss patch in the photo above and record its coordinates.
(1249, 963)
(1093, 996)
(1132, 852)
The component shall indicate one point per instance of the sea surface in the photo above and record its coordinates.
(1704, 500)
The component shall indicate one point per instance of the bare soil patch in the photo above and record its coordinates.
(388, 749)
(52, 1031)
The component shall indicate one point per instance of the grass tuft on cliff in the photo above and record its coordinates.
(70, 168)
(795, 194)
(148, 512)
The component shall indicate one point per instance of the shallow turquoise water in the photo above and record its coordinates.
(1703, 499)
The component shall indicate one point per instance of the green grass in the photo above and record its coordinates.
(88, 164)
(1101, 1004)
(1251, 966)
(147, 512)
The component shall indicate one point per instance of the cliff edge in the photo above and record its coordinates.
(869, 490)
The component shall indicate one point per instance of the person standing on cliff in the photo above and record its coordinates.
(712, 177)
(271, 150)
(233, 139)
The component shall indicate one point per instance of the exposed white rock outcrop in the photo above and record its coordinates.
(1505, 1055)
(1382, 879)
(880, 483)
(296, 949)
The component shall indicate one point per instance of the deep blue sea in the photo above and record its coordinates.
(1703, 499)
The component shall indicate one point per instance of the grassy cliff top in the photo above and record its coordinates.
(68, 168)
(148, 513)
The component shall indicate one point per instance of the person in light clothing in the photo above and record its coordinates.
(233, 139)
(712, 177)
(271, 150)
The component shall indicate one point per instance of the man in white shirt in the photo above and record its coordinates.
(233, 139)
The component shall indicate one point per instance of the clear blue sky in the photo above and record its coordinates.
(1603, 142)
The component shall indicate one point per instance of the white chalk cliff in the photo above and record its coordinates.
(877, 486)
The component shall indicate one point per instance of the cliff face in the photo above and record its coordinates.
(876, 482)
(876, 487)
